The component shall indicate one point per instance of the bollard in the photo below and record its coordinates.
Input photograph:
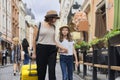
(111, 61)
(84, 66)
(94, 61)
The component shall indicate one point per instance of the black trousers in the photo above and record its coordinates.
(4, 60)
(46, 56)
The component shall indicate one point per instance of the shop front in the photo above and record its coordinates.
(4, 44)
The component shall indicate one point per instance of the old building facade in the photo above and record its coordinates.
(22, 14)
(15, 18)
(94, 9)
(5, 23)
(65, 7)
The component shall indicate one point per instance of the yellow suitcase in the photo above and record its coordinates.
(29, 72)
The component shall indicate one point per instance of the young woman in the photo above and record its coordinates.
(44, 49)
(16, 49)
(24, 48)
(66, 59)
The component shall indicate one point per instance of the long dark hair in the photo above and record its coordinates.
(69, 37)
(25, 42)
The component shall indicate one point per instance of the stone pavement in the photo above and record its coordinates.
(6, 73)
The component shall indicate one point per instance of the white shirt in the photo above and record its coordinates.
(68, 45)
(4, 53)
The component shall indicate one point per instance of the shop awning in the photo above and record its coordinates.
(80, 20)
(100, 28)
(116, 14)
(4, 40)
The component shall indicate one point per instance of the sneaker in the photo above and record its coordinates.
(14, 74)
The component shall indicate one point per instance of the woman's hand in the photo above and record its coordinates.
(76, 63)
(63, 50)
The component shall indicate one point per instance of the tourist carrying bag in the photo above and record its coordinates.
(29, 72)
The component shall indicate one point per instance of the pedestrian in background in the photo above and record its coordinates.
(12, 52)
(16, 55)
(66, 59)
(45, 51)
(24, 49)
(4, 56)
(6, 53)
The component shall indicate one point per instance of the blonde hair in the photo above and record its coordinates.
(16, 39)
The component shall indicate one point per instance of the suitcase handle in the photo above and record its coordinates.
(30, 74)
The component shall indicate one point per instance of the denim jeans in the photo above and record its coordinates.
(66, 63)
(26, 58)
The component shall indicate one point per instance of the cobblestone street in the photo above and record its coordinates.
(6, 73)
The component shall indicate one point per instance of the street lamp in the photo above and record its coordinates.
(76, 5)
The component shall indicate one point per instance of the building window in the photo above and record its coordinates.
(3, 2)
(100, 26)
(3, 23)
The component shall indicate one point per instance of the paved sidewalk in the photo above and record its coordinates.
(6, 73)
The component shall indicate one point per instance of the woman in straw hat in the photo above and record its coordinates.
(45, 51)
(16, 55)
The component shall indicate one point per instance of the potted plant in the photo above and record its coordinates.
(77, 46)
(113, 37)
(84, 45)
(98, 43)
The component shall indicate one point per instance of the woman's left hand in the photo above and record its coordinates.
(77, 63)
(62, 50)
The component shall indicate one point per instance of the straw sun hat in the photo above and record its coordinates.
(52, 13)
(65, 26)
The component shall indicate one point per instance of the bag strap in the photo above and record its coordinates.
(54, 26)
(38, 32)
